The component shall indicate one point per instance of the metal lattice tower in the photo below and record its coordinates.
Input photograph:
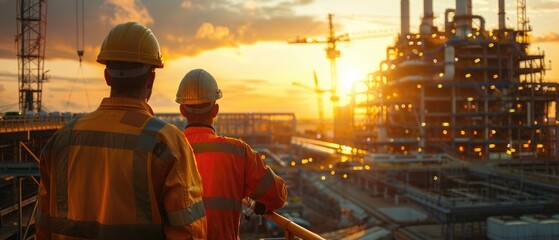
(31, 36)
(522, 22)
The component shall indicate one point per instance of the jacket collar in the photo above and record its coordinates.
(125, 103)
(199, 125)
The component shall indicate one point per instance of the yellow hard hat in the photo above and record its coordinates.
(198, 86)
(131, 42)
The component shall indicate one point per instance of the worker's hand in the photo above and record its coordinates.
(259, 208)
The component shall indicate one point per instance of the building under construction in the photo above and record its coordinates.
(464, 89)
(424, 128)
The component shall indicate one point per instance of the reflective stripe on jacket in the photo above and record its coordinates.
(119, 173)
(231, 171)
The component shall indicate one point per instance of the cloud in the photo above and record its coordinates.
(2, 88)
(213, 33)
(544, 6)
(549, 37)
(7, 74)
(118, 11)
(183, 28)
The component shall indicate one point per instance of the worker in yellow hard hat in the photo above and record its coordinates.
(119, 172)
(230, 169)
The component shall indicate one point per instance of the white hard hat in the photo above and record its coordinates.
(197, 87)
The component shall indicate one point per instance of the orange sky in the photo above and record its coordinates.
(242, 43)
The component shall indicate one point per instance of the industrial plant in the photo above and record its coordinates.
(454, 135)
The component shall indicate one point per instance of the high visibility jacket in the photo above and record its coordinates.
(119, 173)
(231, 171)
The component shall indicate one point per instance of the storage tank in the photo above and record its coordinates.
(508, 228)
(544, 227)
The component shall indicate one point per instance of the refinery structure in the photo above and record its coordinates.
(471, 91)
(454, 136)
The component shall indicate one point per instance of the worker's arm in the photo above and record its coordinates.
(262, 184)
(184, 212)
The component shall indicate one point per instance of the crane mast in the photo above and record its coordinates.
(31, 36)
(332, 53)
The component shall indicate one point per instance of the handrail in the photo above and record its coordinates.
(291, 228)
(25, 123)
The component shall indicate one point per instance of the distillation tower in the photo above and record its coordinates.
(465, 90)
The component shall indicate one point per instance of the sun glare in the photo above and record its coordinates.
(346, 78)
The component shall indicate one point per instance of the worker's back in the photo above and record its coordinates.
(231, 171)
(112, 174)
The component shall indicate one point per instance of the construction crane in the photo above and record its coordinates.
(30, 39)
(31, 35)
(321, 126)
(332, 53)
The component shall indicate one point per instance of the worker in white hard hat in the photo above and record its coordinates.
(230, 169)
(119, 172)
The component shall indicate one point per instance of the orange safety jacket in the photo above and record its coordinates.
(231, 171)
(119, 173)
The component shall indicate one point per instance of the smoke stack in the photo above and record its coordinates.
(405, 18)
(427, 22)
(502, 15)
(463, 17)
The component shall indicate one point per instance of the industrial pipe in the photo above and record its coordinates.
(405, 18)
(427, 22)
(502, 15)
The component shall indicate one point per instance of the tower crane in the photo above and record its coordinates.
(321, 126)
(332, 53)
(30, 38)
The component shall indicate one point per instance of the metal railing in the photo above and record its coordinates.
(26, 123)
(291, 228)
